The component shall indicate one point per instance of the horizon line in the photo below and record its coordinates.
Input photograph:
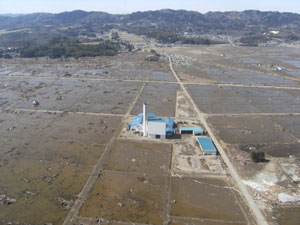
(211, 11)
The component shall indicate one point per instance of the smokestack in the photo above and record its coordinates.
(145, 117)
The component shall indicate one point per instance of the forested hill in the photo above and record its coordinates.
(175, 19)
(79, 33)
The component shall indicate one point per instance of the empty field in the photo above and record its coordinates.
(161, 99)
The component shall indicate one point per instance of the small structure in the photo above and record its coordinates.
(191, 130)
(207, 146)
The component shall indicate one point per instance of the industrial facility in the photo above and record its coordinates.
(147, 125)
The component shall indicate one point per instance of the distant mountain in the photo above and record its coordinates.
(179, 19)
(166, 26)
(11, 14)
(62, 19)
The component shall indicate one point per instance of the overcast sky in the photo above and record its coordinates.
(128, 6)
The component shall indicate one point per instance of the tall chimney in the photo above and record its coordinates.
(145, 117)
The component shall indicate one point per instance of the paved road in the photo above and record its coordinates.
(243, 189)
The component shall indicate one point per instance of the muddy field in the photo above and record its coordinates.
(140, 157)
(53, 150)
(127, 197)
(45, 161)
(251, 98)
(212, 99)
(244, 65)
(85, 96)
(161, 98)
(135, 186)
(48, 150)
(215, 201)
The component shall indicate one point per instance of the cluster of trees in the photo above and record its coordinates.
(292, 37)
(253, 40)
(66, 47)
(161, 35)
(168, 36)
(258, 157)
(199, 41)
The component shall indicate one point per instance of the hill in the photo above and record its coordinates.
(167, 26)
(210, 21)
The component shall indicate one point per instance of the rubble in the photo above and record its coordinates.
(120, 204)
(6, 200)
(65, 204)
(67, 74)
(286, 198)
(35, 103)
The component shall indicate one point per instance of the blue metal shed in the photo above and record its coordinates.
(207, 146)
(193, 130)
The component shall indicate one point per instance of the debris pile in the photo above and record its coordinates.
(35, 103)
(65, 204)
(154, 57)
(286, 198)
(6, 200)
(182, 60)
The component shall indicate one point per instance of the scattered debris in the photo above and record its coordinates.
(47, 179)
(152, 58)
(286, 198)
(120, 204)
(11, 128)
(173, 174)
(28, 194)
(6, 200)
(182, 60)
(65, 204)
(24, 179)
(2, 197)
(67, 74)
(142, 179)
(35, 103)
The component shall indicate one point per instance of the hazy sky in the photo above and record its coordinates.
(127, 6)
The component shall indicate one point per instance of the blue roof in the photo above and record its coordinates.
(170, 122)
(149, 115)
(138, 120)
(206, 144)
(196, 130)
(165, 120)
(159, 120)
